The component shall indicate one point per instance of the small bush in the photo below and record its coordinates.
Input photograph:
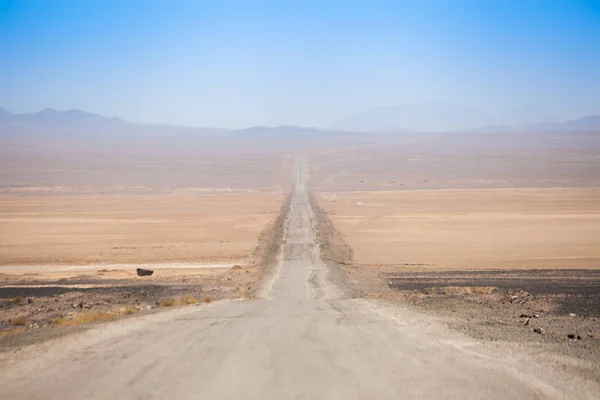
(207, 299)
(168, 303)
(129, 310)
(17, 300)
(84, 318)
(188, 300)
(11, 331)
(19, 321)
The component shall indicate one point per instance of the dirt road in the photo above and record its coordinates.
(305, 339)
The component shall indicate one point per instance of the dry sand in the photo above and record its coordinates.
(79, 230)
(470, 229)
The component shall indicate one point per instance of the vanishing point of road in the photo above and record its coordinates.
(304, 339)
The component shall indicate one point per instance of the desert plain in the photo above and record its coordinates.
(494, 235)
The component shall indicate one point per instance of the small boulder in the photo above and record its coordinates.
(144, 272)
(572, 315)
(539, 331)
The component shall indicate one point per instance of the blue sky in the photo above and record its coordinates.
(242, 63)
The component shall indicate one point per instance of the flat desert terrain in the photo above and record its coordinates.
(459, 161)
(81, 211)
(470, 229)
(220, 228)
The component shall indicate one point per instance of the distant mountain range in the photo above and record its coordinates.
(449, 117)
(583, 124)
(425, 117)
(73, 122)
(434, 117)
(53, 117)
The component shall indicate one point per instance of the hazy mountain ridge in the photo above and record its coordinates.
(73, 122)
(450, 117)
(587, 123)
(425, 117)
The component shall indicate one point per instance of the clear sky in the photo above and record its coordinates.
(242, 63)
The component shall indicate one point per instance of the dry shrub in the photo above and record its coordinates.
(168, 303)
(85, 318)
(207, 299)
(461, 290)
(10, 331)
(188, 300)
(129, 310)
(19, 321)
(16, 300)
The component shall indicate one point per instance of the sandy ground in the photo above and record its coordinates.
(68, 257)
(460, 160)
(470, 229)
(148, 162)
(121, 229)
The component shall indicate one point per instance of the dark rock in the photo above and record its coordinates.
(78, 305)
(30, 301)
(144, 272)
(571, 336)
(539, 331)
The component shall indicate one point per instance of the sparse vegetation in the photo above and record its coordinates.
(207, 299)
(188, 300)
(16, 300)
(129, 310)
(10, 331)
(84, 319)
(461, 290)
(168, 303)
(19, 321)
